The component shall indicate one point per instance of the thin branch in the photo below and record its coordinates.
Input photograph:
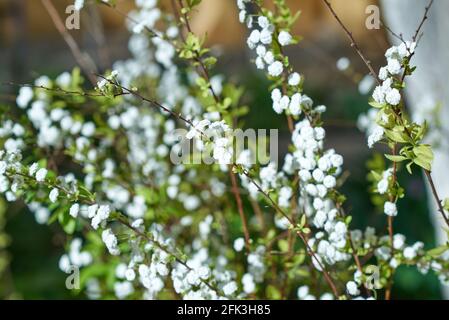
(435, 195)
(56, 89)
(354, 43)
(236, 193)
(83, 60)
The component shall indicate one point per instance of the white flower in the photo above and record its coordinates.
(41, 174)
(294, 79)
(74, 210)
(263, 22)
(318, 175)
(352, 289)
(101, 215)
(284, 38)
(92, 211)
(110, 240)
(390, 209)
(33, 168)
(261, 51)
(242, 16)
(398, 241)
(375, 136)
(394, 67)
(319, 219)
(409, 253)
(239, 244)
(276, 95)
(295, 104)
(249, 286)
(259, 63)
(24, 97)
(329, 182)
(336, 160)
(265, 36)
(64, 79)
(275, 69)
(254, 37)
(79, 4)
(305, 175)
(130, 274)
(393, 97)
(123, 289)
(366, 84)
(88, 129)
(379, 95)
(269, 57)
(42, 215)
(383, 73)
(54, 193)
(230, 288)
(303, 292)
(284, 196)
(343, 63)
(3, 167)
(198, 128)
(382, 186)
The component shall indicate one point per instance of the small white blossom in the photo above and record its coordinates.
(41, 174)
(390, 209)
(74, 210)
(352, 289)
(294, 79)
(275, 69)
(393, 97)
(110, 240)
(53, 196)
(284, 38)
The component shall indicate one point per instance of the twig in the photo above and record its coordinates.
(354, 43)
(238, 199)
(435, 195)
(56, 89)
(84, 61)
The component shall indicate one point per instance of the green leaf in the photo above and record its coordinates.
(273, 293)
(376, 105)
(438, 251)
(395, 158)
(446, 204)
(283, 245)
(424, 156)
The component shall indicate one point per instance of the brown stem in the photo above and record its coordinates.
(435, 195)
(240, 209)
(353, 42)
(84, 61)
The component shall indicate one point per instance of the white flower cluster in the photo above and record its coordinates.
(317, 169)
(75, 257)
(283, 103)
(146, 17)
(386, 93)
(384, 184)
(303, 293)
(111, 242)
(260, 39)
(216, 135)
